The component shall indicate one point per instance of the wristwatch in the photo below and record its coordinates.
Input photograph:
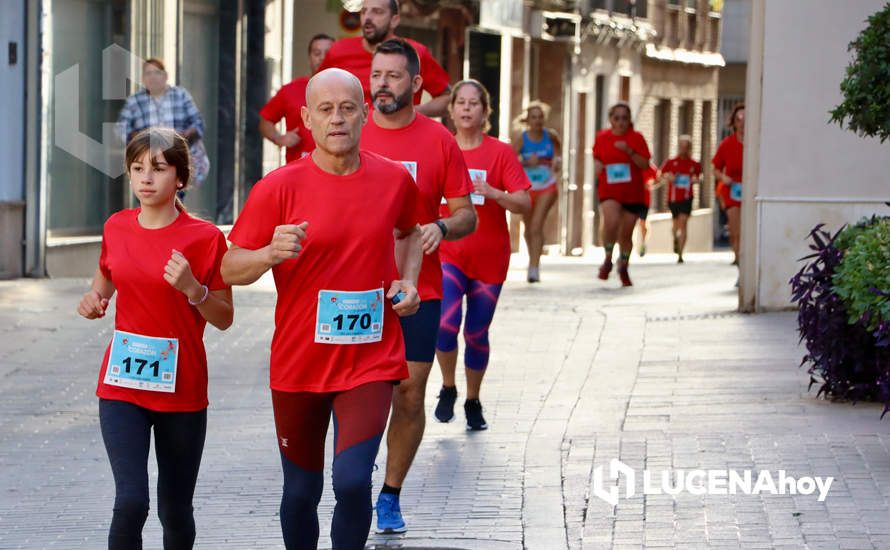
(442, 227)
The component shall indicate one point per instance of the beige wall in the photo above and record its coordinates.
(678, 83)
(732, 79)
(310, 18)
(799, 169)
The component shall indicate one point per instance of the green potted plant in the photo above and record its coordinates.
(843, 290)
(866, 106)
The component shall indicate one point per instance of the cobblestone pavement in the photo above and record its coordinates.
(663, 376)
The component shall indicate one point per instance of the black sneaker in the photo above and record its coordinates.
(475, 420)
(445, 408)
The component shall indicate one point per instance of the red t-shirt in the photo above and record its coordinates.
(133, 258)
(286, 104)
(350, 54)
(626, 182)
(484, 255)
(349, 246)
(679, 165)
(650, 174)
(435, 161)
(728, 157)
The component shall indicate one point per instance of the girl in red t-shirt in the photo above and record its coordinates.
(164, 265)
(620, 156)
(728, 161)
(476, 266)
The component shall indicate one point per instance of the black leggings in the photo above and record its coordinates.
(179, 443)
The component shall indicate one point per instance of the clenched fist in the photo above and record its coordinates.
(286, 242)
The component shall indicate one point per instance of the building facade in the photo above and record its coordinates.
(578, 56)
(79, 60)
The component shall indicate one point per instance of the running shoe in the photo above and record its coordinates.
(534, 275)
(623, 275)
(605, 269)
(475, 420)
(445, 407)
(680, 259)
(389, 514)
(642, 250)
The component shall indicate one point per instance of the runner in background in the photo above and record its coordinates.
(380, 19)
(681, 173)
(164, 266)
(620, 156)
(337, 348)
(538, 149)
(476, 266)
(728, 164)
(650, 177)
(433, 159)
(288, 104)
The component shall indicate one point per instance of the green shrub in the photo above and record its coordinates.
(866, 93)
(862, 279)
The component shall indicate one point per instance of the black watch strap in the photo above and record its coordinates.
(442, 227)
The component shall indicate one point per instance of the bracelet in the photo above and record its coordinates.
(442, 227)
(203, 298)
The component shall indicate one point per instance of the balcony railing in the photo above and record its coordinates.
(635, 9)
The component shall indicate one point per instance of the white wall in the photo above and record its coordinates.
(735, 31)
(801, 170)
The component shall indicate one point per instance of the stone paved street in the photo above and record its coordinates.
(663, 376)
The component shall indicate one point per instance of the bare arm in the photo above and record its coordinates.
(409, 256)
(436, 106)
(517, 202)
(94, 303)
(217, 309)
(460, 223)
(215, 306)
(722, 176)
(557, 152)
(241, 266)
(639, 160)
(270, 132)
(462, 220)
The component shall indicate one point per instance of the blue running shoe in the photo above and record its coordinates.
(389, 515)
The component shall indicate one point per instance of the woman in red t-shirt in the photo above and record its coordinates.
(728, 162)
(620, 156)
(476, 266)
(164, 265)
